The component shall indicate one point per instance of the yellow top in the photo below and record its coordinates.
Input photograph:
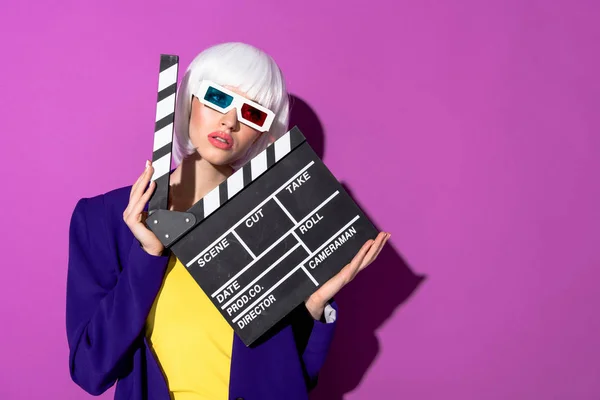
(190, 338)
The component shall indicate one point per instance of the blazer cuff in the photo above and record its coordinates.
(322, 331)
(329, 314)
(146, 272)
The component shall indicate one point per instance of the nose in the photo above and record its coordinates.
(229, 119)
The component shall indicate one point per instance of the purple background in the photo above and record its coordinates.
(468, 129)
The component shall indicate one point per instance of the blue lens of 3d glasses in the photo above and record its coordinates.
(218, 98)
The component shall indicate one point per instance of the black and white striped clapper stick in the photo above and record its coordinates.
(163, 131)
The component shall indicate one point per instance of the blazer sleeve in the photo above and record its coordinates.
(315, 346)
(106, 310)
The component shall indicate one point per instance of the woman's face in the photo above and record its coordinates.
(219, 138)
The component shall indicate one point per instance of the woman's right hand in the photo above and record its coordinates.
(135, 216)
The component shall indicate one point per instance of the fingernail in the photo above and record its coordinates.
(147, 164)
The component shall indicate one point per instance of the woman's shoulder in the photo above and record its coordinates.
(105, 206)
(115, 198)
(99, 219)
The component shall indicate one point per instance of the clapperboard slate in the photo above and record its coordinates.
(265, 239)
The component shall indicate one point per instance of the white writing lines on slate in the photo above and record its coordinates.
(240, 315)
(233, 278)
(284, 210)
(243, 244)
(260, 276)
(312, 278)
(301, 242)
(193, 260)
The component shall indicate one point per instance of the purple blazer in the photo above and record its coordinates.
(111, 286)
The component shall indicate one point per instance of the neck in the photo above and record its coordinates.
(193, 179)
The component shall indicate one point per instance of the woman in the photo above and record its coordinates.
(134, 314)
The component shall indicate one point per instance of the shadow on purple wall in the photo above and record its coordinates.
(303, 115)
(366, 303)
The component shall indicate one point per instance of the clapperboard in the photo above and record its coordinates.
(261, 242)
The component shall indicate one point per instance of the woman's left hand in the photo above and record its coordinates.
(366, 255)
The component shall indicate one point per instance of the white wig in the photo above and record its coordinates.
(241, 66)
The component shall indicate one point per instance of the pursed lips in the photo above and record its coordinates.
(221, 139)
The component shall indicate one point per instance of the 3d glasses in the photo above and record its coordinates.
(223, 100)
